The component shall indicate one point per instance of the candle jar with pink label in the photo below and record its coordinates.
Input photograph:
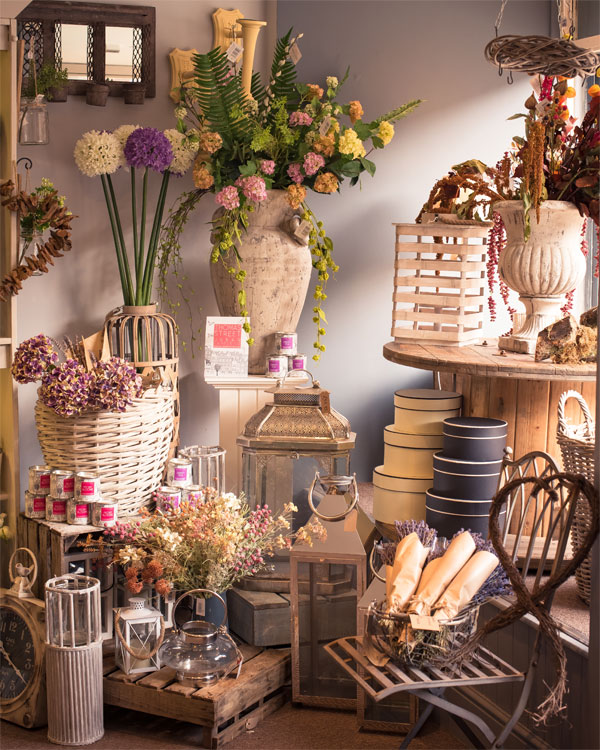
(286, 343)
(56, 509)
(87, 486)
(78, 512)
(277, 366)
(104, 513)
(193, 494)
(168, 499)
(179, 472)
(39, 480)
(35, 505)
(62, 484)
(297, 363)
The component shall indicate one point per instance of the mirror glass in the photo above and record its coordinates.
(74, 50)
(119, 53)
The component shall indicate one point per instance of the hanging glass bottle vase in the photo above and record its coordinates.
(33, 123)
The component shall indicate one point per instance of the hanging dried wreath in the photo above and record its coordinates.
(57, 216)
(541, 55)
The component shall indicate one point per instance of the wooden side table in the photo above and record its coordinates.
(506, 386)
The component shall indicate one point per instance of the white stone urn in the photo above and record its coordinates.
(278, 268)
(542, 269)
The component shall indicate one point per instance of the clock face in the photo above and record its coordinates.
(17, 655)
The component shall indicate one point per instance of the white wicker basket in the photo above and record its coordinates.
(127, 449)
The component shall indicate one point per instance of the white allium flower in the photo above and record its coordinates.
(122, 133)
(331, 82)
(97, 153)
(184, 151)
(180, 112)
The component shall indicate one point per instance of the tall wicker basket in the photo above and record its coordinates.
(128, 449)
(578, 448)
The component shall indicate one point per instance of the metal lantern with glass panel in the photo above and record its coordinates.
(140, 631)
(317, 609)
(283, 445)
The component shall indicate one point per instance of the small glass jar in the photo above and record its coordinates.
(179, 472)
(87, 486)
(193, 494)
(296, 362)
(286, 343)
(277, 366)
(33, 123)
(56, 510)
(62, 484)
(78, 512)
(39, 480)
(35, 505)
(168, 499)
(104, 513)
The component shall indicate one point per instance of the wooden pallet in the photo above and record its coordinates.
(226, 709)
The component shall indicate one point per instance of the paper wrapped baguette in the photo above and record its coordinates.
(403, 577)
(438, 574)
(466, 584)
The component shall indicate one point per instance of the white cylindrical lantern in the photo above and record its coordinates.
(74, 660)
(208, 465)
(140, 631)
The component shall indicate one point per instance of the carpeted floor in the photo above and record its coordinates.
(292, 728)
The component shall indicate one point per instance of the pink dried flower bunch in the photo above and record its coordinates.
(229, 198)
(32, 358)
(253, 188)
(66, 388)
(267, 166)
(115, 385)
(299, 119)
(295, 173)
(312, 163)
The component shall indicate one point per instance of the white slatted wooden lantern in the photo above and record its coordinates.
(440, 283)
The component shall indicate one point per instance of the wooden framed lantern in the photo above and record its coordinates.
(316, 614)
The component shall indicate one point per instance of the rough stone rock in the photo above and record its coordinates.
(589, 318)
(555, 336)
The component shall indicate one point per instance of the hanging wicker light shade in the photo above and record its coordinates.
(541, 55)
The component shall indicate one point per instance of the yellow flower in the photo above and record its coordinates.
(210, 142)
(203, 179)
(296, 195)
(355, 111)
(327, 182)
(315, 90)
(385, 132)
(351, 145)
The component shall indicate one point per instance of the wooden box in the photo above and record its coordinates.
(226, 709)
(440, 283)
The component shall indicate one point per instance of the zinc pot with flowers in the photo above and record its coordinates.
(260, 150)
(98, 418)
(210, 544)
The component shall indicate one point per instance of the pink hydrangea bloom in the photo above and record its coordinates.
(295, 173)
(267, 166)
(300, 118)
(228, 197)
(253, 188)
(312, 163)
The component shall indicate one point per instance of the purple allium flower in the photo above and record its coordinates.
(114, 385)
(312, 163)
(66, 388)
(267, 166)
(300, 118)
(253, 188)
(148, 147)
(229, 197)
(33, 358)
(295, 173)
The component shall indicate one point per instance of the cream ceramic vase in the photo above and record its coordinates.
(542, 269)
(278, 268)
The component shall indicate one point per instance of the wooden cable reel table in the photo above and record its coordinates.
(506, 386)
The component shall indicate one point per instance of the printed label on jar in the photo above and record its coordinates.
(298, 363)
(69, 484)
(107, 514)
(274, 365)
(39, 504)
(82, 510)
(180, 472)
(44, 481)
(287, 342)
(88, 488)
(59, 507)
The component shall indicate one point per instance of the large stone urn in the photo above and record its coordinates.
(278, 267)
(542, 269)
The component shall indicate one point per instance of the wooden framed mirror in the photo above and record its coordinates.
(113, 44)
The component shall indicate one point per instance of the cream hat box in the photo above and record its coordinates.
(422, 411)
(407, 455)
(398, 498)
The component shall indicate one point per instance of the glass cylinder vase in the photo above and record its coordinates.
(34, 122)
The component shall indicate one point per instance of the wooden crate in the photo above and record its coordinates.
(226, 709)
(440, 283)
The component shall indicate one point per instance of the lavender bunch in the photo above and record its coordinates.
(427, 536)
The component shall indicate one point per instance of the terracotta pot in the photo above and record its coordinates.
(543, 268)
(134, 93)
(278, 271)
(97, 94)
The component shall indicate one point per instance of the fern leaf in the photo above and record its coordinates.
(399, 112)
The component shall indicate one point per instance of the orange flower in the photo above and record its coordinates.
(295, 195)
(315, 90)
(162, 587)
(571, 92)
(324, 145)
(355, 111)
(202, 177)
(594, 90)
(134, 586)
(326, 183)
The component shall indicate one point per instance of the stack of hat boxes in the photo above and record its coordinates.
(401, 484)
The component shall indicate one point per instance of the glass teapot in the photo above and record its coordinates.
(201, 653)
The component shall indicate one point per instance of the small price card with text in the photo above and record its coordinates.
(226, 348)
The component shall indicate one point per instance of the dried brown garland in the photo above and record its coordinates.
(533, 601)
(59, 242)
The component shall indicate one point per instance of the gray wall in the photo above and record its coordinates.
(397, 51)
